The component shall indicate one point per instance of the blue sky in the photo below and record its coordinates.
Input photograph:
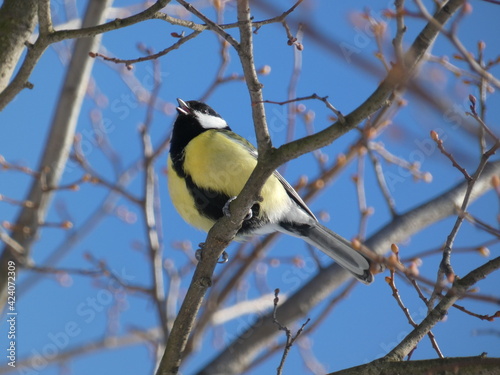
(364, 326)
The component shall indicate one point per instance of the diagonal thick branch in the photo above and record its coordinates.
(462, 365)
(17, 22)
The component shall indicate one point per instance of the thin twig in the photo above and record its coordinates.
(290, 339)
(95, 178)
(483, 84)
(436, 314)
(439, 142)
(100, 270)
(378, 28)
(395, 293)
(6, 166)
(445, 268)
(360, 192)
(382, 183)
(489, 318)
(211, 24)
(476, 117)
(128, 62)
(149, 213)
(324, 99)
(481, 224)
(397, 42)
(413, 168)
(280, 18)
(310, 327)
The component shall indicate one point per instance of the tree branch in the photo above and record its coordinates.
(245, 54)
(446, 366)
(17, 22)
(459, 288)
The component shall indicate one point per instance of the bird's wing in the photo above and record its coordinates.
(289, 189)
(293, 194)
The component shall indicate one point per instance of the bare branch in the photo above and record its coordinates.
(129, 62)
(379, 174)
(445, 268)
(489, 318)
(45, 18)
(395, 293)
(210, 24)
(467, 365)
(324, 99)
(397, 42)
(18, 23)
(439, 143)
(290, 339)
(436, 314)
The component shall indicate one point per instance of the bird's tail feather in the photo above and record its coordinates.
(340, 250)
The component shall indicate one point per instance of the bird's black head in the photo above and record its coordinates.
(193, 118)
(200, 113)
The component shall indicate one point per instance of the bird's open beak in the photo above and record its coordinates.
(183, 107)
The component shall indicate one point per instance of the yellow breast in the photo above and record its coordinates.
(216, 162)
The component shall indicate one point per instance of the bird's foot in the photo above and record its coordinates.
(227, 212)
(199, 251)
(224, 258)
(198, 254)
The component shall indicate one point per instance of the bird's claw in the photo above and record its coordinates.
(227, 212)
(224, 258)
(199, 251)
(249, 215)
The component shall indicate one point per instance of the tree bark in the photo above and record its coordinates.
(17, 22)
(446, 366)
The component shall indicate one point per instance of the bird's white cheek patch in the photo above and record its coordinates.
(211, 122)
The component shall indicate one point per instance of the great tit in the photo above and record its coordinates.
(209, 165)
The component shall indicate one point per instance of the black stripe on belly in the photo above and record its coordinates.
(210, 204)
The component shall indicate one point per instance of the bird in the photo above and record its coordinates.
(208, 165)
